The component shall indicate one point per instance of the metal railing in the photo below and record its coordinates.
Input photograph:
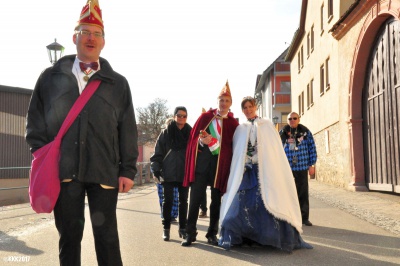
(14, 168)
(143, 174)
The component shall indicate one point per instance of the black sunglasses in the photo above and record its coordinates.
(294, 118)
(181, 116)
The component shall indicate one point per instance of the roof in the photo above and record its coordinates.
(298, 35)
(344, 16)
(15, 90)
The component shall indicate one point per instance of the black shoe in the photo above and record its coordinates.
(212, 240)
(189, 239)
(308, 223)
(173, 220)
(166, 235)
(182, 233)
(203, 214)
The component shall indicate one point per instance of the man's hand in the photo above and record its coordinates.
(125, 184)
(156, 179)
(311, 170)
(205, 138)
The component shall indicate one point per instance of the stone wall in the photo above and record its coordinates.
(331, 162)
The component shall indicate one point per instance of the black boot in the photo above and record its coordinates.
(189, 239)
(182, 233)
(212, 239)
(166, 235)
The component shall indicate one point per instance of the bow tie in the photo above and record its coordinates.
(92, 65)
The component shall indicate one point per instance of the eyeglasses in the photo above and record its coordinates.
(181, 116)
(87, 33)
(292, 118)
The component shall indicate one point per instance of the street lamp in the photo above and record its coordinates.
(275, 120)
(258, 97)
(55, 51)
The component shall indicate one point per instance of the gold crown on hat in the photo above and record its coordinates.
(91, 14)
(226, 91)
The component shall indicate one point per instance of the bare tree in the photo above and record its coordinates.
(151, 120)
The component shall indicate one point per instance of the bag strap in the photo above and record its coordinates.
(77, 107)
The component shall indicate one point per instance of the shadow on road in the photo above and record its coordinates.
(11, 244)
(335, 247)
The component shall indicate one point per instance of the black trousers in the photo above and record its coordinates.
(70, 221)
(301, 180)
(168, 190)
(203, 204)
(197, 190)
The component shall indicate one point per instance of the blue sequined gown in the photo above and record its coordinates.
(247, 220)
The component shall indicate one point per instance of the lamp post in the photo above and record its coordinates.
(275, 120)
(55, 51)
(258, 98)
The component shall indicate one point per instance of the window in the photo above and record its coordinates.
(322, 19)
(285, 86)
(327, 84)
(310, 98)
(301, 56)
(322, 80)
(299, 104)
(312, 38)
(298, 61)
(330, 10)
(302, 102)
(311, 92)
(284, 116)
(308, 44)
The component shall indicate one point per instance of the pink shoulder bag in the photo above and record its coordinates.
(44, 182)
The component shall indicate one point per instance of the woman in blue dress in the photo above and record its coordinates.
(260, 204)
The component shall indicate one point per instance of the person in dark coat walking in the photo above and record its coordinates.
(168, 166)
(99, 151)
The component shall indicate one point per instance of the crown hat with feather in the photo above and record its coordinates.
(91, 15)
(226, 91)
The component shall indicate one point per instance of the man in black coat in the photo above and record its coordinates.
(99, 151)
(168, 166)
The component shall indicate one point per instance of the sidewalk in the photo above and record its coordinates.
(379, 208)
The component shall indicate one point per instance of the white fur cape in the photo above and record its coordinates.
(278, 189)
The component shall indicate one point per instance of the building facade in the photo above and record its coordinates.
(344, 85)
(15, 157)
(273, 89)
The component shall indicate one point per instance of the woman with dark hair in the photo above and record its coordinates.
(168, 166)
(260, 204)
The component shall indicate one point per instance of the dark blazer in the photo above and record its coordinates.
(101, 144)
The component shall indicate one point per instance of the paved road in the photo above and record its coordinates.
(339, 235)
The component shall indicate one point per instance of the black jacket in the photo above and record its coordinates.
(169, 153)
(101, 144)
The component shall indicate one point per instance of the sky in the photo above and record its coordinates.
(181, 51)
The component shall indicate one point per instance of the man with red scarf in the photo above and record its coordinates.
(208, 160)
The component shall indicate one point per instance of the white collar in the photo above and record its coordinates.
(76, 70)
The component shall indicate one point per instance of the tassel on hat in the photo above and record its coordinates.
(91, 14)
(226, 91)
